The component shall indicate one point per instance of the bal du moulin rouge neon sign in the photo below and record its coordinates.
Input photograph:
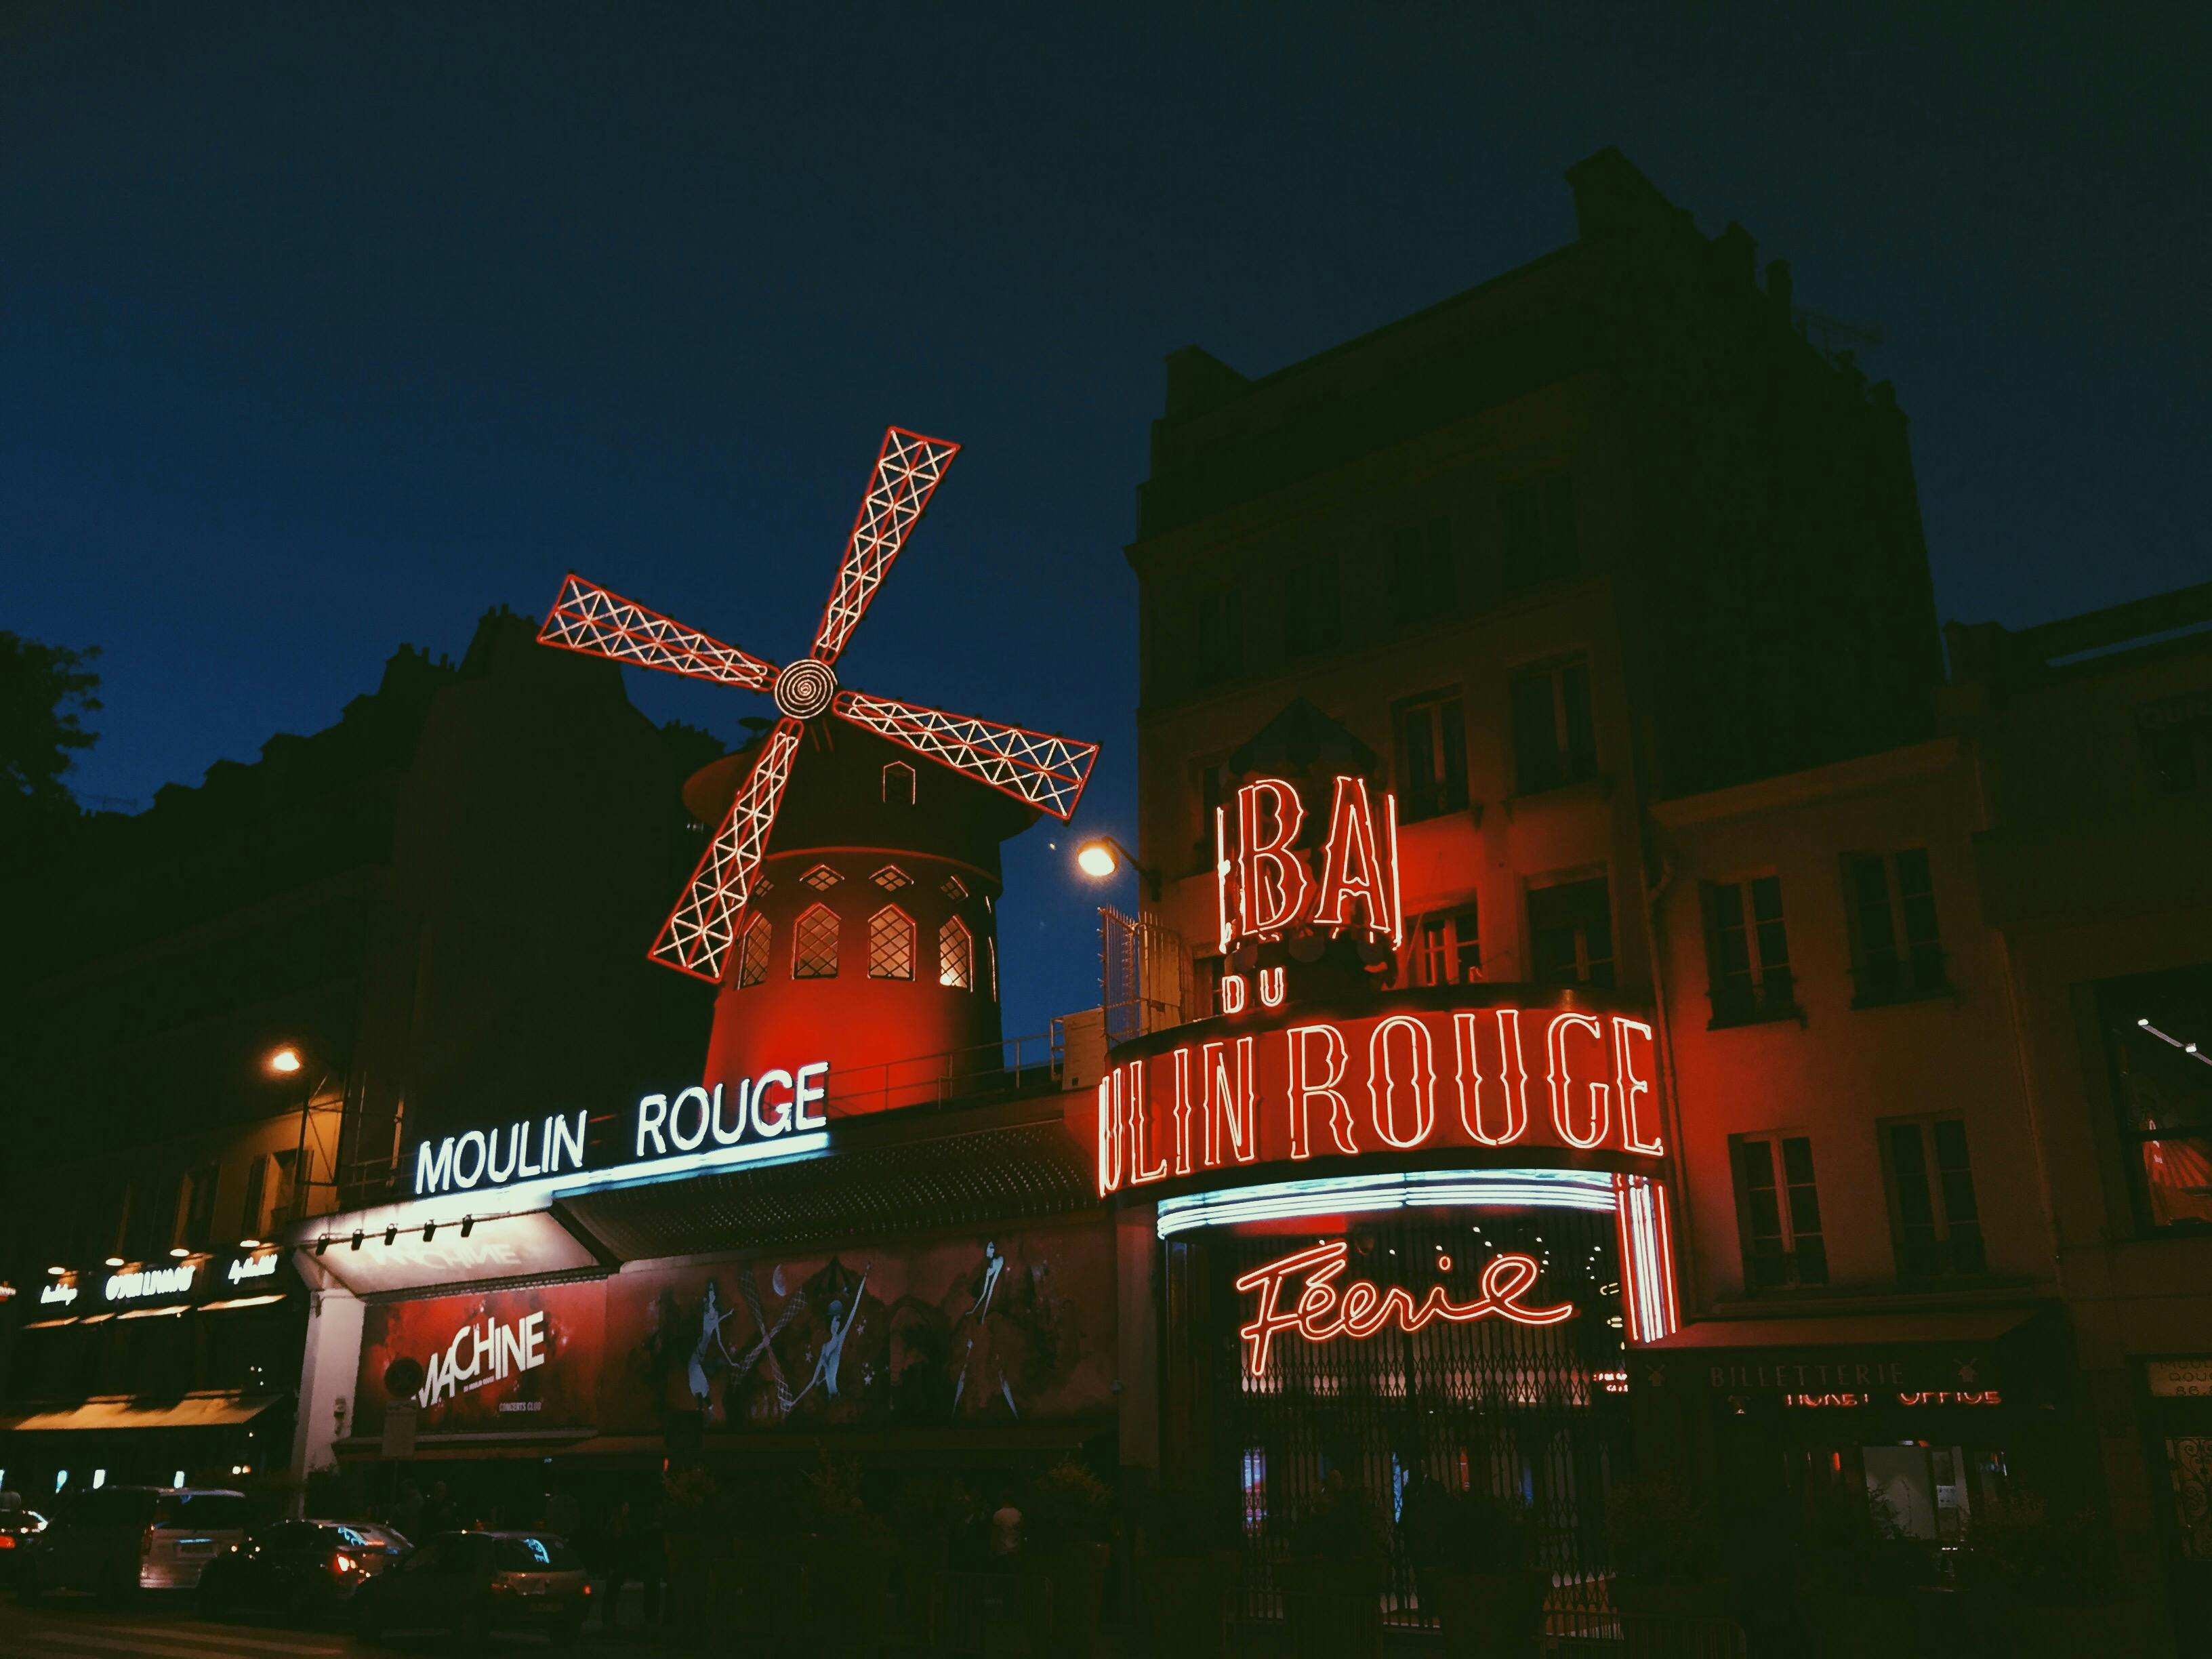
(1411, 1074)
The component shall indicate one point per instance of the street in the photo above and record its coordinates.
(166, 1626)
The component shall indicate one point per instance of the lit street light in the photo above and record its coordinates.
(1102, 856)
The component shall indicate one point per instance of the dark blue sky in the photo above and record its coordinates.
(326, 328)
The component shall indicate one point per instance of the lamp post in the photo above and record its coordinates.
(1102, 856)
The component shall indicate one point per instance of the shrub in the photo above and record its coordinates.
(1068, 1505)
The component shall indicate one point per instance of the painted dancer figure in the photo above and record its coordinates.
(983, 1336)
(833, 1346)
(711, 1321)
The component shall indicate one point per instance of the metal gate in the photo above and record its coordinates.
(1536, 1414)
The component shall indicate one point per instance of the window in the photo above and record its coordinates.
(1892, 900)
(955, 955)
(898, 784)
(953, 888)
(1220, 635)
(1448, 951)
(1747, 951)
(2157, 1030)
(196, 1207)
(1938, 1228)
(814, 944)
(752, 953)
(1204, 986)
(1424, 574)
(2176, 742)
(890, 943)
(1313, 606)
(253, 1212)
(1570, 933)
(891, 878)
(1778, 1211)
(1431, 734)
(1553, 741)
(821, 879)
(1537, 532)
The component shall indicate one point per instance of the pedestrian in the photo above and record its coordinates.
(438, 1514)
(562, 1514)
(407, 1510)
(617, 1546)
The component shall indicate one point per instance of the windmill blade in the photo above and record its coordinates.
(588, 618)
(909, 469)
(1044, 770)
(695, 939)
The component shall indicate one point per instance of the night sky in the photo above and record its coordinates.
(325, 329)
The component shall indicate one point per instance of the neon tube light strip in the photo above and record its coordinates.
(1590, 1190)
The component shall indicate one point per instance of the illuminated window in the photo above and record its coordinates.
(1424, 572)
(1570, 933)
(814, 944)
(2158, 1057)
(891, 878)
(953, 888)
(890, 943)
(955, 955)
(1747, 952)
(1312, 606)
(1931, 1188)
(1554, 743)
(1897, 952)
(1220, 654)
(1432, 736)
(821, 879)
(898, 784)
(752, 951)
(1778, 1211)
(1448, 949)
(1537, 533)
(763, 885)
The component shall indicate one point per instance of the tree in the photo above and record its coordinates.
(45, 690)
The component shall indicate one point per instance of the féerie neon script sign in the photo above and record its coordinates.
(1322, 1312)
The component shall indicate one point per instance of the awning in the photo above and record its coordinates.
(212, 1409)
(1823, 1353)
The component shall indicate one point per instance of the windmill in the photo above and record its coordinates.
(1045, 771)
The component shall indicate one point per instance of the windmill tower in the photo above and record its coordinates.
(851, 913)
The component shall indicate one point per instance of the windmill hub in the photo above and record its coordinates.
(805, 688)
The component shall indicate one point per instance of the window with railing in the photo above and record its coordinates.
(1747, 952)
(1537, 532)
(1778, 1212)
(1220, 636)
(2157, 1031)
(1897, 947)
(1312, 606)
(1570, 933)
(1448, 948)
(1431, 739)
(1424, 572)
(1555, 741)
(1938, 1223)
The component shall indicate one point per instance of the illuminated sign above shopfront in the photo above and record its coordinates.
(1270, 883)
(1322, 1312)
(1410, 1073)
(148, 1284)
(777, 1113)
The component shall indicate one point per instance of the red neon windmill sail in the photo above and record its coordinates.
(1046, 771)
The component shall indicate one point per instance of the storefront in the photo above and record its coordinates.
(1404, 1237)
(173, 1372)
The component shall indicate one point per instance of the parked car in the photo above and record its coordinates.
(477, 1583)
(19, 1532)
(301, 1567)
(119, 1539)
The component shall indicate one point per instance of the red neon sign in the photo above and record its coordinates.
(1409, 1077)
(1322, 1312)
(1352, 883)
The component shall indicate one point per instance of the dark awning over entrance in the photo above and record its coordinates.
(1971, 1351)
(908, 1171)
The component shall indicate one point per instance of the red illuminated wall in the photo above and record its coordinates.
(562, 1325)
(861, 807)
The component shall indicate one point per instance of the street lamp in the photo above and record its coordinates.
(1103, 855)
(285, 1060)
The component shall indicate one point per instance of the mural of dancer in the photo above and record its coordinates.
(986, 1341)
(842, 1321)
(711, 1321)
